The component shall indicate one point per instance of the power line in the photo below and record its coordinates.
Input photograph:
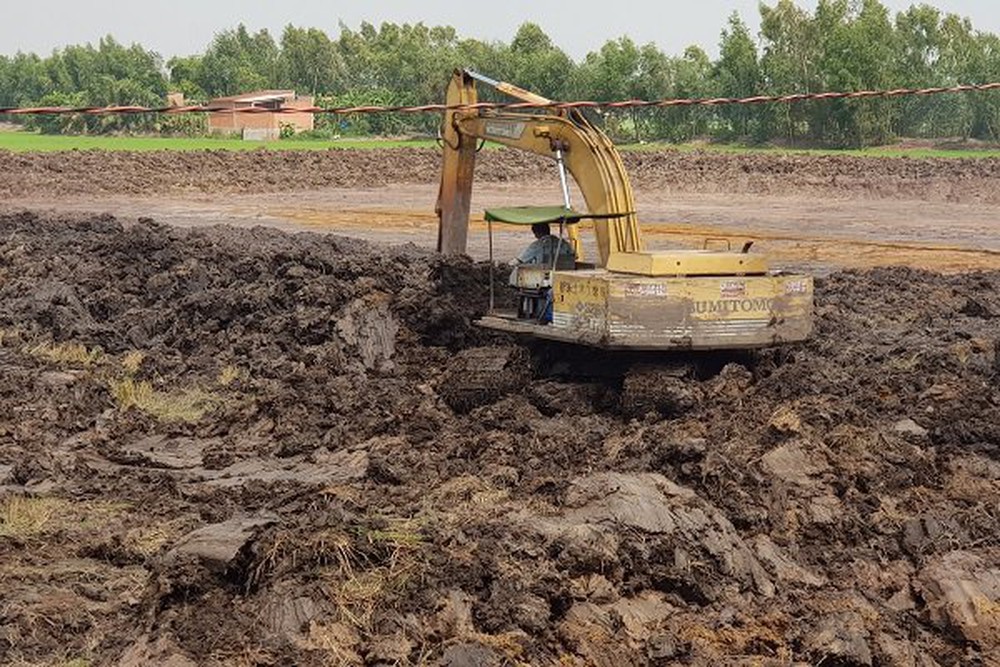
(509, 106)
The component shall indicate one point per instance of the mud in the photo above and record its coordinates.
(95, 173)
(242, 447)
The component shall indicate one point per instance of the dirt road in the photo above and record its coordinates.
(804, 211)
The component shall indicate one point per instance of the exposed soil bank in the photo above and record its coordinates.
(162, 172)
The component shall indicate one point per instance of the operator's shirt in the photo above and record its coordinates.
(543, 251)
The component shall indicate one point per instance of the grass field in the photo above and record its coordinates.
(31, 142)
(28, 141)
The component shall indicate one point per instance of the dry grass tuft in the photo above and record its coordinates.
(147, 540)
(12, 337)
(364, 578)
(72, 354)
(22, 516)
(132, 361)
(400, 534)
(753, 639)
(243, 656)
(188, 405)
(229, 375)
(360, 595)
(510, 644)
(337, 640)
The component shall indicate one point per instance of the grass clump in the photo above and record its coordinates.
(373, 570)
(67, 354)
(23, 516)
(149, 538)
(399, 534)
(132, 361)
(188, 405)
(230, 374)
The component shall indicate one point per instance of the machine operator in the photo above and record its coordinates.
(543, 251)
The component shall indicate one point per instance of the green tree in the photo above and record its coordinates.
(413, 59)
(185, 74)
(613, 73)
(693, 79)
(109, 74)
(737, 74)
(537, 64)
(988, 106)
(488, 58)
(918, 41)
(857, 53)
(237, 62)
(6, 82)
(970, 57)
(28, 79)
(789, 64)
(309, 61)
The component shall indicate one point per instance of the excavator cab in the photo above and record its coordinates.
(630, 298)
(533, 282)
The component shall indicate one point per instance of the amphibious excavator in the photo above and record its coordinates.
(628, 297)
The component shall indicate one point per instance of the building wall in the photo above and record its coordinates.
(233, 122)
(252, 134)
(300, 121)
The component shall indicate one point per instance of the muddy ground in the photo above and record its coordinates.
(230, 446)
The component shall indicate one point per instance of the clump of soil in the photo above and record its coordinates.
(226, 446)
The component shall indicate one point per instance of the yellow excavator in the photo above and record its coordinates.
(628, 298)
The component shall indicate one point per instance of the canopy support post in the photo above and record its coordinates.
(489, 227)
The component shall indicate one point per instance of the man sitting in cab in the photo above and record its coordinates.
(546, 251)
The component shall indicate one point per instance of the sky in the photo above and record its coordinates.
(184, 27)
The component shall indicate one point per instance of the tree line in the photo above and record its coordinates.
(840, 45)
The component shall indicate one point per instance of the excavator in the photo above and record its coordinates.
(628, 297)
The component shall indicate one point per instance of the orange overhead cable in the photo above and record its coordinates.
(511, 106)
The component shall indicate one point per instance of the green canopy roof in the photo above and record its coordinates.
(530, 215)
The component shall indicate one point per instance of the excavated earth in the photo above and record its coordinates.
(97, 172)
(243, 447)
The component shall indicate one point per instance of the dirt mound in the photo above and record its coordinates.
(940, 180)
(223, 446)
(161, 172)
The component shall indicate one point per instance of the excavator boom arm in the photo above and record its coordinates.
(589, 155)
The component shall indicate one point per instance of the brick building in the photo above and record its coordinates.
(260, 125)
